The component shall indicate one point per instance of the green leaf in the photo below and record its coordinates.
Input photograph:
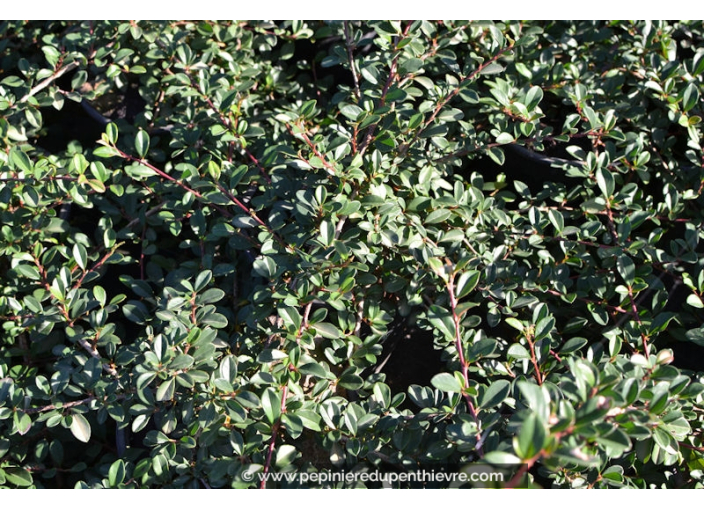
(497, 155)
(483, 348)
(271, 355)
(492, 68)
(466, 283)
(166, 390)
(181, 362)
(531, 439)
(265, 266)
(310, 419)
(696, 336)
(557, 220)
(28, 271)
(616, 443)
(659, 400)
(228, 368)
(308, 108)
(293, 425)
(442, 320)
(544, 327)
(497, 457)
(116, 473)
(626, 269)
(382, 394)
(495, 394)
(630, 390)
(327, 232)
(212, 295)
(327, 330)
(690, 97)
(202, 280)
(515, 323)
(12, 81)
(447, 383)
(660, 322)
(695, 301)
(99, 294)
(80, 428)
(291, 318)
(438, 216)
(285, 455)
(22, 422)
(605, 180)
(112, 132)
(6, 385)
(533, 97)
(141, 143)
(350, 380)
(517, 351)
(573, 344)
(20, 160)
(19, 477)
(139, 172)
(313, 368)
(80, 255)
(504, 138)
(135, 311)
(537, 399)
(665, 440)
(106, 152)
(271, 404)
(215, 320)
(351, 111)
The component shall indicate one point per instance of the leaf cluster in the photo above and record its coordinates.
(205, 277)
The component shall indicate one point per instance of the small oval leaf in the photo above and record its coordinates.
(80, 428)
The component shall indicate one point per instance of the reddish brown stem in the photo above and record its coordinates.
(463, 363)
(382, 102)
(272, 442)
(520, 473)
(228, 124)
(453, 93)
(330, 168)
(534, 360)
(166, 176)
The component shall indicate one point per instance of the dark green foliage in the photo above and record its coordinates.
(205, 273)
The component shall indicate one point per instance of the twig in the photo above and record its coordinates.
(149, 213)
(463, 363)
(94, 353)
(690, 447)
(534, 359)
(453, 93)
(522, 471)
(227, 123)
(272, 441)
(329, 168)
(350, 57)
(304, 322)
(384, 92)
(64, 405)
(48, 81)
(166, 176)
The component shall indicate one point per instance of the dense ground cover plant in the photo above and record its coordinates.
(213, 233)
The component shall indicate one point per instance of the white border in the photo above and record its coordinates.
(364, 9)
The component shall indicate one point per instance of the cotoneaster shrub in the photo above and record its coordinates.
(213, 233)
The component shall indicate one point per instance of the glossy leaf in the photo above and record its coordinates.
(80, 428)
